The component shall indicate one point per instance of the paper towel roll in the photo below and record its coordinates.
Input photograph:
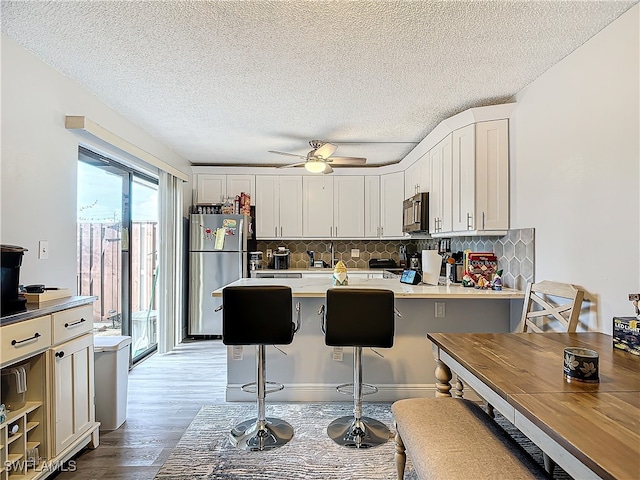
(431, 265)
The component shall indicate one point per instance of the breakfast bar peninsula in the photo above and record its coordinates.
(310, 370)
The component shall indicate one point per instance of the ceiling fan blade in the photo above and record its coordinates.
(326, 150)
(288, 154)
(347, 160)
(327, 169)
(291, 165)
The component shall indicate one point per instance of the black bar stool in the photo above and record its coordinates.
(358, 318)
(259, 316)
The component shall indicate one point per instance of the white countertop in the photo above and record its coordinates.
(319, 270)
(317, 287)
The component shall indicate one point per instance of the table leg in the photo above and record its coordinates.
(400, 456)
(458, 390)
(443, 377)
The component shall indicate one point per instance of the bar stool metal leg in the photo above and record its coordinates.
(261, 433)
(357, 431)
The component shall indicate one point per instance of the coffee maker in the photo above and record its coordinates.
(255, 260)
(281, 258)
(414, 262)
(11, 260)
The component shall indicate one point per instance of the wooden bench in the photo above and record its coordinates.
(449, 438)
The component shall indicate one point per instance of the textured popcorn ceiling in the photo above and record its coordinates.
(223, 82)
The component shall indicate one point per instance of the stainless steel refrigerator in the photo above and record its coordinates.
(214, 263)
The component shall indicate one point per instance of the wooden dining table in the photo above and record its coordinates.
(592, 430)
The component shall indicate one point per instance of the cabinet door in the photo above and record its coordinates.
(464, 178)
(290, 206)
(348, 207)
(267, 207)
(211, 188)
(412, 180)
(391, 197)
(236, 184)
(440, 202)
(492, 175)
(372, 206)
(73, 383)
(317, 206)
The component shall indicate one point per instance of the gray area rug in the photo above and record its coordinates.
(204, 451)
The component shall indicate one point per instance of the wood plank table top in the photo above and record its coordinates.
(513, 363)
(596, 424)
(601, 430)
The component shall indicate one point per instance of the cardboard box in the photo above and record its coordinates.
(626, 334)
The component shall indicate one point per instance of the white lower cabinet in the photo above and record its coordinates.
(55, 418)
(73, 407)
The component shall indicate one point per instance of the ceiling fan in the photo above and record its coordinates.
(320, 160)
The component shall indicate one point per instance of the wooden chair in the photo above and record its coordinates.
(546, 302)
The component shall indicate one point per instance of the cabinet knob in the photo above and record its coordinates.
(60, 354)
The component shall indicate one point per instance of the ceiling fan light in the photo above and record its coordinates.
(315, 166)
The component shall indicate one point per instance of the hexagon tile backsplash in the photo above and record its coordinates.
(515, 252)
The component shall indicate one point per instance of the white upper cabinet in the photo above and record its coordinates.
(372, 206)
(417, 177)
(481, 178)
(216, 188)
(278, 206)
(391, 197)
(464, 178)
(317, 206)
(440, 201)
(348, 207)
(211, 188)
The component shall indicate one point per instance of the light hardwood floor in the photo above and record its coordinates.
(165, 393)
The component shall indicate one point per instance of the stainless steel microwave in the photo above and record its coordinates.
(415, 213)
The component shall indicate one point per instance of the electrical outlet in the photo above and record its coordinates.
(337, 353)
(237, 352)
(43, 250)
(269, 253)
(355, 253)
(439, 309)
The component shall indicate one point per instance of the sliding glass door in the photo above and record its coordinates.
(117, 248)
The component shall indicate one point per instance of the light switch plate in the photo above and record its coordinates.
(439, 309)
(43, 250)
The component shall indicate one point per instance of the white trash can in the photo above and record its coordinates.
(111, 380)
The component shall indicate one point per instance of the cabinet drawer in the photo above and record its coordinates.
(71, 323)
(22, 339)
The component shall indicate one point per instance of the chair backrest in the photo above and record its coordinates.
(257, 315)
(359, 317)
(547, 301)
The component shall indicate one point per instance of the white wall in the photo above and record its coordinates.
(575, 171)
(39, 161)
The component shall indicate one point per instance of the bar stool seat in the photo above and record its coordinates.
(260, 316)
(358, 317)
